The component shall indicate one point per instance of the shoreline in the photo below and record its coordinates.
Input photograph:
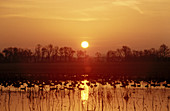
(54, 70)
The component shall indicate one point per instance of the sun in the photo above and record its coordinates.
(84, 44)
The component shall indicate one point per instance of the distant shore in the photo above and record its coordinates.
(129, 69)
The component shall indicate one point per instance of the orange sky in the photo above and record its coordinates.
(106, 24)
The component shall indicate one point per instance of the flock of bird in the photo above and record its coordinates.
(73, 84)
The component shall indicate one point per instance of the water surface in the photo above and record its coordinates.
(85, 95)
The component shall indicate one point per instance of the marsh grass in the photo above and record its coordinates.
(67, 97)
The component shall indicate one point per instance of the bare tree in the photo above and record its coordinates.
(38, 53)
(164, 51)
(98, 55)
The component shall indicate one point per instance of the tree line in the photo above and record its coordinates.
(127, 54)
(50, 53)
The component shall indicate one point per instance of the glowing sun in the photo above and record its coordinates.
(84, 44)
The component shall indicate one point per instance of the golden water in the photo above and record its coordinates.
(83, 97)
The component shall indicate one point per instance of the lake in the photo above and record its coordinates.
(84, 95)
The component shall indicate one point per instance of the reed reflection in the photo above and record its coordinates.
(84, 96)
(85, 91)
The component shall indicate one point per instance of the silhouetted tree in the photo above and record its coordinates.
(110, 55)
(49, 51)
(44, 54)
(66, 53)
(152, 54)
(81, 55)
(71, 53)
(119, 54)
(61, 53)
(28, 55)
(14, 54)
(126, 52)
(56, 53)
(7, 54)
(1, 58)
(164, 51)
(38, 53)
(98, 55)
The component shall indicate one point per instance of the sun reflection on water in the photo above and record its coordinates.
(85, 92)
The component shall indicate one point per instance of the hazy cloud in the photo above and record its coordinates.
(76, 10)
(129, 3)
(81, 19)
(85, 19)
